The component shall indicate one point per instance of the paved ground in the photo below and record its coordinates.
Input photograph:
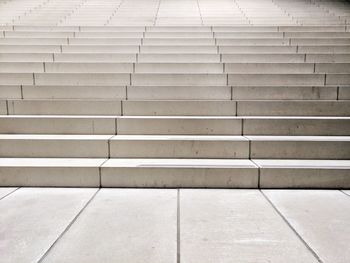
(186, 225)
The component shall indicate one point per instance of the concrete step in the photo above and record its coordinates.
(181, 125)
(21, 67)
(245, 125)
(293, 108)
(33, 41)
(128, 172)
(265, 58)
(270, 49)
(176, 49)
(10, 92)
(280, 80)
(179, 173)
(174, 173)
(296, 126)
(103, 41)
(243, 68)
(299, 147)
(317, 34)
(226, 35)
(73, 67)
(71, 92)
(179, 146)
(178, 41)
(281, 68)
(288, 93)
(111, 29)
(65, 124)
(60, 146)
(26, 57)
(59, 172)
(37, 34)
(304, 173)
(178, 58)
(323, 49)
(30, 48)
(327, 58)
(179, 92)
(179, 108)
(81, 79)
(150, 79)
(65, 107)
(184, 68)
(319, 41)
(252, 41)
(100, 48)
(151, 146)
(94, 57)
(194, 34)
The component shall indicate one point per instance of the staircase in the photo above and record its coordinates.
(245, 106)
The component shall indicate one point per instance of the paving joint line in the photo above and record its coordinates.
(3, 197)
(21, 92)
(345, 193)
(178, 229)
(292, 228)
(68, 227)
(7, 107)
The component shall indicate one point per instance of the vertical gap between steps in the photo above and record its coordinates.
(338, 92)
(68, 227)
(236, 108)
(259, 170)
(100, 172)
(22, 92)
(250, 157)
(178, 229)
(116, 125)
(292, 228)
(7, 107)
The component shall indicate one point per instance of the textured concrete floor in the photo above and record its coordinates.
(186, 225)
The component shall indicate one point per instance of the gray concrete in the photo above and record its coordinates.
(186, 225)
(235, 226)
(320, 217)
(124, 225)
(33, 218)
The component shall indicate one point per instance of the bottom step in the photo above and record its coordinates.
(175, 173)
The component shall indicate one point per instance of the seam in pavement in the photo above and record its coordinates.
(68, 227)
(178, 258)
(9, 193)
(292, 228)
(345, 193)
